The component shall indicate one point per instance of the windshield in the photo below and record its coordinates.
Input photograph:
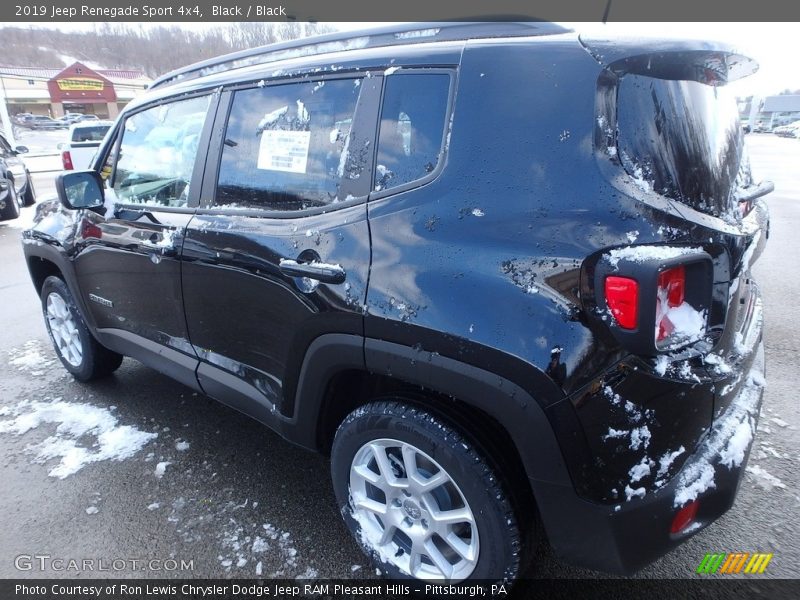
(681, 138)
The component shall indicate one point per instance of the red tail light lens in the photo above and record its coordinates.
(622, 297)
(671, 293)
(66, 160)
(677, 321)
(684, 517)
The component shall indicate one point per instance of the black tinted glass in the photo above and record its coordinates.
(681, 139)
(412, 126)
(286, 146)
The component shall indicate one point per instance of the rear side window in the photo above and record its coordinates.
(96, 133)
(412, 127)
(286, 146)
(157, 153)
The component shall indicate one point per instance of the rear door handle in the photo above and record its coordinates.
(319, 271)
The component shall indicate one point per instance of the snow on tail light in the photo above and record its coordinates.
(66, 160)
(677, 321)
(622, 298)
(684, 517)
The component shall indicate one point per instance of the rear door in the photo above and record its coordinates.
(279, 251)
(128, 262)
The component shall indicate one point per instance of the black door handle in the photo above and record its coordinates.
(319, 271)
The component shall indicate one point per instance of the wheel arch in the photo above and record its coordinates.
(41, 268)
(341, 372)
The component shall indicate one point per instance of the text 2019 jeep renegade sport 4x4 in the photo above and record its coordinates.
(500, 272)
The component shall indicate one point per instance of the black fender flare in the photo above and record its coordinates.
(50, 252)
(509, 404)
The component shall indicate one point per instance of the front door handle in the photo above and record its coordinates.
(319, 271)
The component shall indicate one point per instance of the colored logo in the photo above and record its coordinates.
(78, 84)
(738, 562)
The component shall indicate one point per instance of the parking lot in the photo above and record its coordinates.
(231, 499)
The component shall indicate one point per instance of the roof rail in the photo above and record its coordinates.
(390, 35)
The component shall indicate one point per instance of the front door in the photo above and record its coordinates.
(278, 252)
(128, 261)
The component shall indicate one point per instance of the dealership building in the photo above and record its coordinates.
(76, 88)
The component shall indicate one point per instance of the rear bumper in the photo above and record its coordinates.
(625, 537)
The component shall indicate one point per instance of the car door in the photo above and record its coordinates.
(128, 261)
(278, 252)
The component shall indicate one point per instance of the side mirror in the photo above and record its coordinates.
(80, 189)
(21, 150)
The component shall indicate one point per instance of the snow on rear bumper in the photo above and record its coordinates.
(626, 537)
(729, 440)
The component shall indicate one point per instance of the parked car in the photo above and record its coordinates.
(9, 207)
(42, 122)
(497, 276)
(14, 170)
(84, 139)
(787, 130)
(19, 118)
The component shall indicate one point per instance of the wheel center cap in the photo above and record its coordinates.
(412, 510)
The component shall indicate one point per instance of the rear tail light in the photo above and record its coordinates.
(622, 297)
(677, 321)
(684, 517)
(66, 160)
(671, 293)
(90, 231)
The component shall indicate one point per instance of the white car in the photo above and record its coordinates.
(84, 139)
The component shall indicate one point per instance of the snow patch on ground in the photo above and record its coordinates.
(31, 358)
(763, 479)
(161, 468)
(110, 440)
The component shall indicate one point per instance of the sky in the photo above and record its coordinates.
(775, 46)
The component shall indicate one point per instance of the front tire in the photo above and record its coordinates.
(420, 499)
(75, 346)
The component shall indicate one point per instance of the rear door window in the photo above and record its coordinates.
(413, 120)
(287, 147)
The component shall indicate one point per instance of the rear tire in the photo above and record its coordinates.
(9, 205)
(75, 346)
(29, 197)
(420, 499)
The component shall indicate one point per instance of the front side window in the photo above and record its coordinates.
(286, 146)
(157, 153)
(412, 127)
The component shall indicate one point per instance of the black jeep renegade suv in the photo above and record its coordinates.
(500, 272)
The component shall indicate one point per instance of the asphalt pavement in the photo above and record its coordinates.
(218, 495)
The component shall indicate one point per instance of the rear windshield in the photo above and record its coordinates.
(95, 133)
(682, 139)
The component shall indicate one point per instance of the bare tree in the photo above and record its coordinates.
(153, 50)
